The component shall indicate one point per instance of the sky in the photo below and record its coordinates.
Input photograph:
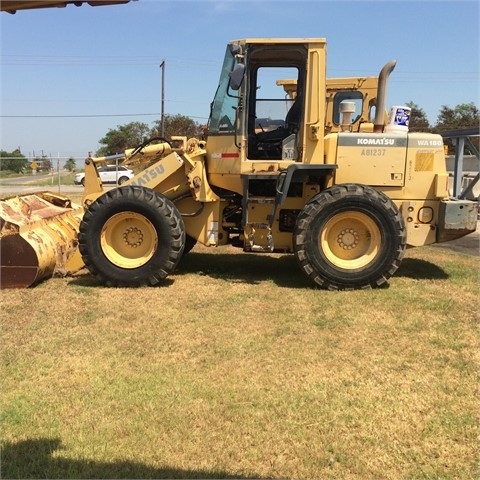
(69, 75)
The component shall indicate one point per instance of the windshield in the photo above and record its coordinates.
(222, 115)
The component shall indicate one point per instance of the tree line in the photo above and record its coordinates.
(115, 141)
(465, 115)
(133, 134)
(17, 162)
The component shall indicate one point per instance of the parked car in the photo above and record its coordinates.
(108, 174)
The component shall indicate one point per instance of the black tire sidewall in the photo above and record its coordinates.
(378, 208)
(160, 212)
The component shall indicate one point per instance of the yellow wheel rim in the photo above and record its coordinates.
(350, 240)
(128, 240)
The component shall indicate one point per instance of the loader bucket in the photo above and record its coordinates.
(38, 238)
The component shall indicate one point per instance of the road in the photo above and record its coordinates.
(469, 244)
(30, 183)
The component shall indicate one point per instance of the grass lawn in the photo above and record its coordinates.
(236, 367)
(54, 179)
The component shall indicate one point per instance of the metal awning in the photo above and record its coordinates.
(11, 6)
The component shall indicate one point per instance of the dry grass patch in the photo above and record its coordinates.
(236, 367)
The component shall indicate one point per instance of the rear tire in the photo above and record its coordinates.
(350, 236)
(131, 236)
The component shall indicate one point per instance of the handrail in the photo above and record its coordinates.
(461, 138)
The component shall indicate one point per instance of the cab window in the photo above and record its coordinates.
(275, 112)
(272, 101)
(223, 108)
(353, 96)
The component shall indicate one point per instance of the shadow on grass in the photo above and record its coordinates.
(418, 269)
(35, 459)
(251, 268)
(284, 271)
(248, 268)
(86, 280)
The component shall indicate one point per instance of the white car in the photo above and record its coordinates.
(108, 174)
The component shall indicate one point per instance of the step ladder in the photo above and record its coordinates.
(268, 246)
(265, 225)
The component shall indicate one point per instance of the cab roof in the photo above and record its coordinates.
(282, 40)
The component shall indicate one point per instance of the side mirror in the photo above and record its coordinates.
(236, 76)
(235, 49)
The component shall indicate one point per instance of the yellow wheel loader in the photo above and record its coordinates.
(292, 162)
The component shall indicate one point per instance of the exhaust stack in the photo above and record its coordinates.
(382, 96)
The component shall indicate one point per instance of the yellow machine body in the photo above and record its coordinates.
(263, 175)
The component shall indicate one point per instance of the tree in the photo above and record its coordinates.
(70, 164)
(133, 134)
(123, 137)
(13, 161)
(177, 125)
(464, 115)
(418, 119)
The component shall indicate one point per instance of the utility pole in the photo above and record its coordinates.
(162, 120)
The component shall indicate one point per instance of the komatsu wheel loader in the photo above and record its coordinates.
(292, 162)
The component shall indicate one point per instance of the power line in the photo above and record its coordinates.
(94, 116)
(107, 60)
(83, 116)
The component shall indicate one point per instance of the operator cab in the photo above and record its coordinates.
(254, 105)
(274, 115)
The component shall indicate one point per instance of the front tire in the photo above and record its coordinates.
(350, 236)
(131, 236)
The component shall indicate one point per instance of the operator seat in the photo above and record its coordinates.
(269, 144)
(292, 120)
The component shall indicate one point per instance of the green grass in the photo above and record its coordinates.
(236, 367)
(8, 174)
(66, 178)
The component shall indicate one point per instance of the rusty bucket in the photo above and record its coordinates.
(38, 238)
